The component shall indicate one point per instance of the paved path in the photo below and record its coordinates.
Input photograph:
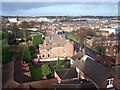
(21, 72)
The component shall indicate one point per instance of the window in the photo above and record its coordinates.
(114, 50)
(43, 56)
(48, 55)
(110, 83)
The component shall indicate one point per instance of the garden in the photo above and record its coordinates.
(41, 71)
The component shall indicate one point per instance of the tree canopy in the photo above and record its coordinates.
(66, 64)
(6, 54)
(26, 54)
(37, 39)
(101, 49)
(45, 70)
(24, 25)
(58, 64)
(14, 29)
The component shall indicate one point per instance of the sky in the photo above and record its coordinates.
(59, 8)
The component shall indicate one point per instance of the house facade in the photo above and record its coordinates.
(97, 69)
(56, 47)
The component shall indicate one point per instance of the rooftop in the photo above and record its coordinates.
(96, 71)
(76, 84)
(68, 73)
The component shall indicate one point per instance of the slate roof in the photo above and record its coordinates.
(76, 46)
(68, 73)
(47, 40)
(90, 52)
(76, 84)
(59, 43)
(96, 71)
(117, 70)
(76, 63)
(55, 37)
(79, 55)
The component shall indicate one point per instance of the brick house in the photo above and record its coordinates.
(97, 68)
(105, 32)
(54, 47)
(100, 75)
(109, 43)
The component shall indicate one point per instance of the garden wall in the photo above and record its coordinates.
(7, 74)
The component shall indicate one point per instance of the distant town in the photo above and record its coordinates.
(59, 52)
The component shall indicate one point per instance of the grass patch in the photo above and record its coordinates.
(72, 37)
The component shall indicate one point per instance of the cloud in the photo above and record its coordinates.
(60, 1)
(73, 9)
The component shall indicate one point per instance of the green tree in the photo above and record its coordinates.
(26, 54)
(90, 33)
(66, 65)
(101, 49)
(36, 72)
(58, 64)
(32, 23)
(14, 29)
(6, 54)
(24, 25)
(37, 39)
(3, 35)
(45, 70)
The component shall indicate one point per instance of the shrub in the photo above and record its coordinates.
(36, 72)
(45, 70)
(37, 39)
(58, 64)
(26, 54)
(66, 65)
(101, 49)
(6, 54)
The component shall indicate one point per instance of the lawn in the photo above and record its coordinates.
(72, 37)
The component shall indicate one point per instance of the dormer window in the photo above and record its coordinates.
(110, 83)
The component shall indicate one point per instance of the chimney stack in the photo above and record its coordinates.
(108, 61)
(117, 58)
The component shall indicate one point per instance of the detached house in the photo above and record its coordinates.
(97, 68)
(56, 46)
(102, 76)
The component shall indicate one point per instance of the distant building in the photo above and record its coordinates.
(70, 26)
(12, 20)
(89, 40)
(44, 19)
(109, 43)
(105, 32)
